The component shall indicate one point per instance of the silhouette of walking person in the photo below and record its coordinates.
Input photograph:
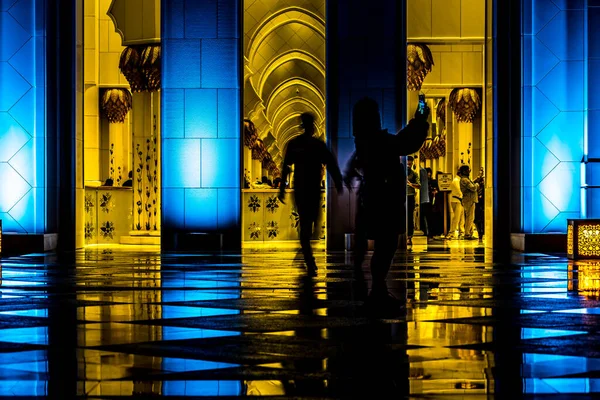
(384, 187)
(308, 155)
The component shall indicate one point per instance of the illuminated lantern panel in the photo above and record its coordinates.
(583, 238)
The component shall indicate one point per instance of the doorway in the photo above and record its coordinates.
(284, 76)
(121, 125)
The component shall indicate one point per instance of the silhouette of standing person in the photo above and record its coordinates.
(384, 186)
(308, 155)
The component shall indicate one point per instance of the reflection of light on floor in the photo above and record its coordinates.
(542, 372)
(127, 248)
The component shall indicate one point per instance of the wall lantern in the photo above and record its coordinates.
(583, 238)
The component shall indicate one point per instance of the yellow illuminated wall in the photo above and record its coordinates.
(102, 47)
(454, 31)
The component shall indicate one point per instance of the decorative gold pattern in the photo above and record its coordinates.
(570, 239)
(465, 103)
(584, 277)
(141, 67)
(129, 64)
(419, 62)
(151, 66)
(588, 240)
(115, 104)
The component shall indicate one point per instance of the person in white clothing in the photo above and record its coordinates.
(457, 224)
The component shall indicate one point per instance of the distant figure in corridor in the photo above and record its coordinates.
(469, 191)
(308, 155)
(384, 186)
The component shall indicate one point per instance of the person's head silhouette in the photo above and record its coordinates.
(308, 123)
(365, 117)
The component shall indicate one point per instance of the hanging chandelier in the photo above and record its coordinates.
(419, 62)
(141, 66)
(115, 104)
(465, 103)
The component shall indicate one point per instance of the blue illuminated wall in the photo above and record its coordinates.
(200, 117)
(592, 144)
(22, 118)
(554, 112)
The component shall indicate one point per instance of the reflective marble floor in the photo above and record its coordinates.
(107, 323)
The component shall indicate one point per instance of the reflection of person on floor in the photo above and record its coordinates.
(308, 154)
(425, 203)
(469, 198)
(457, 225)
(384, 185)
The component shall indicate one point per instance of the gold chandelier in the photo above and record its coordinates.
(141, 66)
(465, 103)
(419, 62)
(115, 104)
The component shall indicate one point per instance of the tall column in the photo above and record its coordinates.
(146, 168)
(358, 33)
(464, 136)
(591, 144)
(201, 144)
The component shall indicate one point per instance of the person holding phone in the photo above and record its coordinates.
(384, 188)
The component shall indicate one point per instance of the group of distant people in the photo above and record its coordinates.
(126, 183)
(467, 203)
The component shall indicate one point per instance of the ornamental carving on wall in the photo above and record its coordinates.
(419, 62)
(588, 240)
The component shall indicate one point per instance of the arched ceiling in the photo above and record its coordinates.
(285, 63)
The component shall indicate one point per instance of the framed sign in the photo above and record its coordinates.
(444, 181)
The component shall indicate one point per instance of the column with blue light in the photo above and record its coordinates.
(200, 118)
(554, 113)
(22, 118)
(592, 138)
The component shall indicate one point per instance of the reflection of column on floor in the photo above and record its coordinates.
(146, 153)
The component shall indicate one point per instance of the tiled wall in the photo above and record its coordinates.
(22, 116)
(445, 18)
(201, 117)
(554, 112)
(456, 65)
